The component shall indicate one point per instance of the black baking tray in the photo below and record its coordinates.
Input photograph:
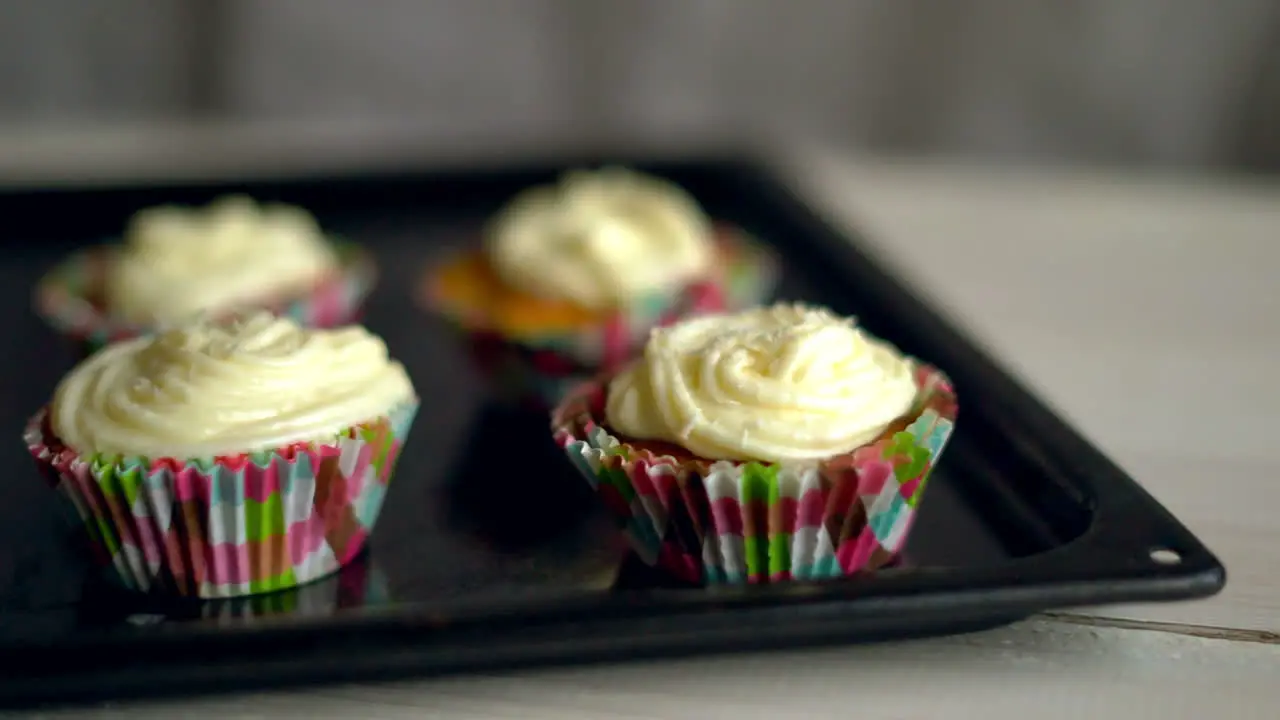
(472, 568)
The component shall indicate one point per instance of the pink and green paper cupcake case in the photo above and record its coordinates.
(518, 378)
(68, 297)
(229, 527)
(744, 277)
(537, 370)
(750, 271)
(357, 585)
(725, 522)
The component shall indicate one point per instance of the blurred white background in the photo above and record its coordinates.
(1181, 83)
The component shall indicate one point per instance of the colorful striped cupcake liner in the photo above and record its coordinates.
(228, 526)
(725, 522)
(361, 584)
(537, 371)
(357, 585)
(68, 297)
(521, 379)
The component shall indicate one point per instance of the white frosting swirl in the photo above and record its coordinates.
(209, 388)
(601, 239)
(777, 384)
(178, 261)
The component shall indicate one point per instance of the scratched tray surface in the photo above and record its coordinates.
(486, 523)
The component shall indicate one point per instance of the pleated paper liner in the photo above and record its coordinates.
(360, 584)
(518, 377)
(724, 522)
(634, 574)
(535, 369)
(228, 526)
(356, 585)
(70, 296)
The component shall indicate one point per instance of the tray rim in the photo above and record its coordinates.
(1106, 564)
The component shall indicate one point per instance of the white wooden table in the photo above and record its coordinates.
(1137, 306)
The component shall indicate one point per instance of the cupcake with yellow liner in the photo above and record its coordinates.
(572, 276)
(227, 457)
(176, 261)
(779, 443)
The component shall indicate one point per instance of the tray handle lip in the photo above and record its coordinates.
(955, 603)
(1069, 576)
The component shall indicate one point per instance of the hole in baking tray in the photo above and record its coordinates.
(1165, 556)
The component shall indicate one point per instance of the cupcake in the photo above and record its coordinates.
(779, 443)
(227, 457)
(177, 261)
(571, 277)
